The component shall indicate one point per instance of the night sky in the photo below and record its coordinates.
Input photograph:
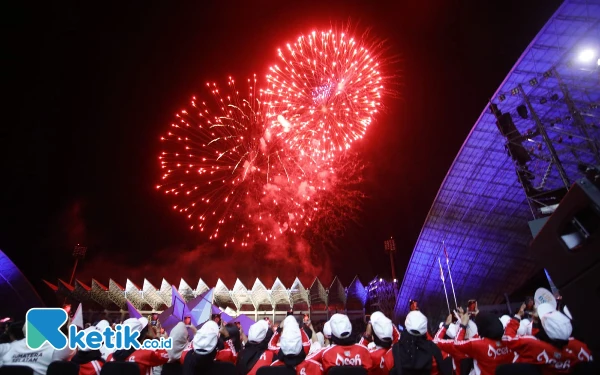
(93, 86)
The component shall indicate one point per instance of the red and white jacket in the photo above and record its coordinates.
(307, 367)
(552, 359)
(456, 355)
(382, 358)
(146, 359)
(352, 355)
(275, 340)
(265, 360)
(91, 368)
(228, 353)
(487, 354)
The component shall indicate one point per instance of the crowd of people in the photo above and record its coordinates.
(466, 343)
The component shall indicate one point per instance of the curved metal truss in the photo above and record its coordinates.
(539, 134)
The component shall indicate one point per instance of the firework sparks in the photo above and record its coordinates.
(257, 166)
(325, 93)
(224, 172)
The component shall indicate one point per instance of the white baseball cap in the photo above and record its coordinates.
(382, 326)
(101, 326)
(179, 334)
(452, 330)
(134, 324)
(416, 323)
(504, 319)
(290, 341)
(205, 340)
(545, 308)
(289, 320)
(327, 329)
(557, 325)
(258, 331)
(144, 322)
(340, 326)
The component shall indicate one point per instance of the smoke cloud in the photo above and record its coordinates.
(281, 259)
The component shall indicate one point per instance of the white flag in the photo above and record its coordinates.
(78, 317)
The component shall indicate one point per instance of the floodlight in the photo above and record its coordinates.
(587, 55)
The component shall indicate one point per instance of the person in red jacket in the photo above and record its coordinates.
(414, 353)
(449, 332)
(553, 348)
(380, 331)
(488, 351)
(289, 320)
(256, 354)
(453, 331)
(231, 344)
(146, 359)
(292, 355)
(204, 350)
(90, 361)
(344, 351)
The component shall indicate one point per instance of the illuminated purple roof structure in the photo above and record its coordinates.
(14, 287)
(504, 175)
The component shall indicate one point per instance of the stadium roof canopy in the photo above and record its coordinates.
(16, 293)
(240, 298)
(481, 211)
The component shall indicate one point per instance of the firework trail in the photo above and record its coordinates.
(325, 93)
(226, 173)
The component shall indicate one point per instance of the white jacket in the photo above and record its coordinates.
(39, 360)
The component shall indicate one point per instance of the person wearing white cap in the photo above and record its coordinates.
(552, 347)
(104, 350)
(289, 321)
(344, 351)
(414, 353)
(90, 361)
(204, 350)
(230, 343)
(256, 354)
(146, 359)
(485, 360)
(453, 331)
(379, 338)
(180, 337)
(18, 354)
(292, 355)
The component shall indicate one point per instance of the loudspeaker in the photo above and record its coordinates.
(568, 247)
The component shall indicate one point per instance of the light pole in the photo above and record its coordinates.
(78, 253)
(390, 248)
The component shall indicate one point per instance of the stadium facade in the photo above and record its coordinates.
(536, 137)
(257, 301)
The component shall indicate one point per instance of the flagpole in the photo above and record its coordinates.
(450, 274)
(444, 284)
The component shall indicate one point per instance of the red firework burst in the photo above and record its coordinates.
(326, 92)
(223, 170)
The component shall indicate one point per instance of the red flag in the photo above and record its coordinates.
(446, 254)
